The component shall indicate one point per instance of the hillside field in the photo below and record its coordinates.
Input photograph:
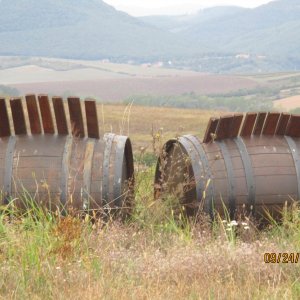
(110, 82)
(148, 84)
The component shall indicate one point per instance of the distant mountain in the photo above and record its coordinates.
(220, 39)
(87, 29)
(251, 30)
(262, 39)
(184, 22)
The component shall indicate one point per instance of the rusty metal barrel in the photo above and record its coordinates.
(59, 170)
(249, 167)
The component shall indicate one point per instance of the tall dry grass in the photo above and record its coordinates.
(152, 255)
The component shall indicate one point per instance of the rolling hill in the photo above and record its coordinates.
(267, 30)
(88, 29)
(268, 35)
(220, 39)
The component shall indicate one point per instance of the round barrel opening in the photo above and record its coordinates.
(174, 177)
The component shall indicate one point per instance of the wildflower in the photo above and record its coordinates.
(246, 227)
(233, 223)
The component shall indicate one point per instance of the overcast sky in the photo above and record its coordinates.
(158, 7)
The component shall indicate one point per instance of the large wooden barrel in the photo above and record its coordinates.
(58, 170)
(243, 174)
(66, 172)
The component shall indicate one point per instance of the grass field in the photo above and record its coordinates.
(154, 254)
(141, 123)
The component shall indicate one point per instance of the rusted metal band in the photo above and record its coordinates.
(119, 162)
(108, 138)
(296, 158)
(230, 173)
(248, 171)
(8, 168)
(66, 159)
(87, 172)
(206, 180)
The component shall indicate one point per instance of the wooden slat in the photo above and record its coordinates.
(259, 123)
(211, 129)
(4, 120)
(92, 119)
(224, 127)
(76, 117)
(248, 125)
(293, 128)
(46, 114)
(271, 123)
(236, 125)
(18, 116)
(60, 116)
(33, 114)
(282, 124)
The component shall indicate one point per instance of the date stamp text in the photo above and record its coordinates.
(281, 258)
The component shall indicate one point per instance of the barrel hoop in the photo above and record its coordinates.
(296, 158)
(8, 168)
(191, 151)
(66, 159)
(207, 174)
(87, 172)
(230, 173)
(248, 171)
(120, 155)
(108, 138)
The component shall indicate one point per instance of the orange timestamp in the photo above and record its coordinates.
(284, 258)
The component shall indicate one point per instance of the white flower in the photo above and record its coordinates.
(233, 223)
